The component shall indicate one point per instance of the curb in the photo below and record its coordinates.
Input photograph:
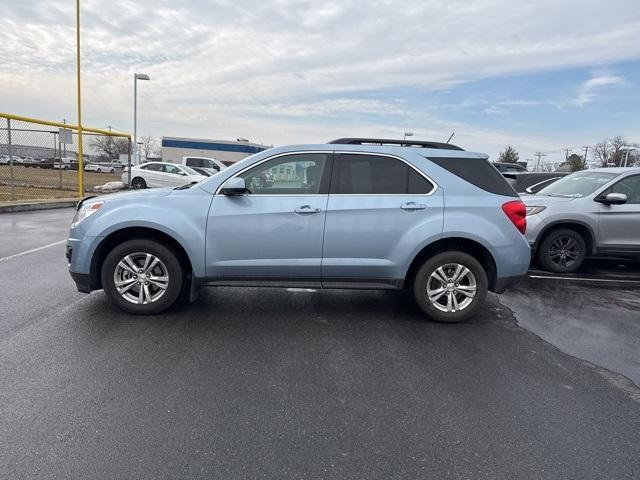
(32, 206)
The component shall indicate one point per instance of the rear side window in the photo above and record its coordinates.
(377, 175)
(153, 166)
(194, 162)
(478, 172)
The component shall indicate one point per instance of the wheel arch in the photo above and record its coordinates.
(465, 245)
(129, 233)
(580, 227)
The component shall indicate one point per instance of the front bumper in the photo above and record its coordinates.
(82, 281)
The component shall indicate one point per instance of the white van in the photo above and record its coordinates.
(208, 163)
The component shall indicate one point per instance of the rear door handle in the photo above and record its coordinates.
(413, 206)
(306, 209)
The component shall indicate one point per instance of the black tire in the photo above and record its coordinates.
(99, 170)
(562, 251)
(138, 183)
(424, 278)
(168, 261)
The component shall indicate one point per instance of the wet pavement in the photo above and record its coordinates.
(267, 383)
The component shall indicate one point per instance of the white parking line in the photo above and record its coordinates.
(4, 259)
(578, 279)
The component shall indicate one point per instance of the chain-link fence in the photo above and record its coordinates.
(39, 159)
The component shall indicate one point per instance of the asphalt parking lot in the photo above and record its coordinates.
(262, 383)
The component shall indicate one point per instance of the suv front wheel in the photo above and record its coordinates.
(562, 251)
(142, 276)
(450, 287)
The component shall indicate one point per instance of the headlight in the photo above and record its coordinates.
(534, 210)
(84, 212)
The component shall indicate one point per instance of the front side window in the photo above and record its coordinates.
(296, 174)
(578, 185)
(378, 175)
(630, 186)
(171, 169)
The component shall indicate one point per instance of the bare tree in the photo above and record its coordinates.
(149, 147)
(109, 147)
(610, 151)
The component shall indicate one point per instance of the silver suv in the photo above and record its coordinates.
(589, 213)
(356, 213)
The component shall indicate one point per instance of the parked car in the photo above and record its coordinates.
(29, 162)
(46, 162)
(4, 160)
(532, 182)
(66, 163)
(432, 218)
(509, 167)
(161, 174)
(101, 167)
(201, 162)
(589, 213)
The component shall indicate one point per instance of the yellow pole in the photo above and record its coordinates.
(80, 166)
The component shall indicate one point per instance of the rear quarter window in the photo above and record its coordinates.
(478, 172)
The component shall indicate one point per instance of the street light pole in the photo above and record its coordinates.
(136, 77)
(80, 167)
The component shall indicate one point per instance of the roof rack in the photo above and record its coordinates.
(400, 143)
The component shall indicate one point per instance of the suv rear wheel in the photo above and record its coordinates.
(450, 287)
(142, 276)
(562, 251)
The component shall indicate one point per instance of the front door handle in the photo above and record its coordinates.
(306, 209)
(413, 206)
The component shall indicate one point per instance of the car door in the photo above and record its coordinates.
(380, 209)
(618, 225)
(272, 234)
(151, 174)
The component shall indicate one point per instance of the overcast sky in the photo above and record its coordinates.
(539, 74)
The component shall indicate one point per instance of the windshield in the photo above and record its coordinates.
(190, 170)
(578, 184)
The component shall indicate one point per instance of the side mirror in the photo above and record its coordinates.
(234, 186)
(612, 199)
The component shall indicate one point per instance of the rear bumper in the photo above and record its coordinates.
(504, 283)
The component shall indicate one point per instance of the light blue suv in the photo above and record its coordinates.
(354, 213)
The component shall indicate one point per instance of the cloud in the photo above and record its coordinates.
(291, 71)
(590, 89)
(494, 110)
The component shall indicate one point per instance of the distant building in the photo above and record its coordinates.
(174, 148)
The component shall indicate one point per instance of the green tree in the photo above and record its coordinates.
(576, 162)
(510, 155)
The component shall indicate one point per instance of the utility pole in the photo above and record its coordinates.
(566, 153)
(539, 156)
(586, 150)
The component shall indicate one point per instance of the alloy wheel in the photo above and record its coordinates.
(564, 251)
(451, 287)
(141, 278)
(138, 183)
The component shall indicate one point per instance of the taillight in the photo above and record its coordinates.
(517, 213)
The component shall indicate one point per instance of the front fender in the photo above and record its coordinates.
(182, 217)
